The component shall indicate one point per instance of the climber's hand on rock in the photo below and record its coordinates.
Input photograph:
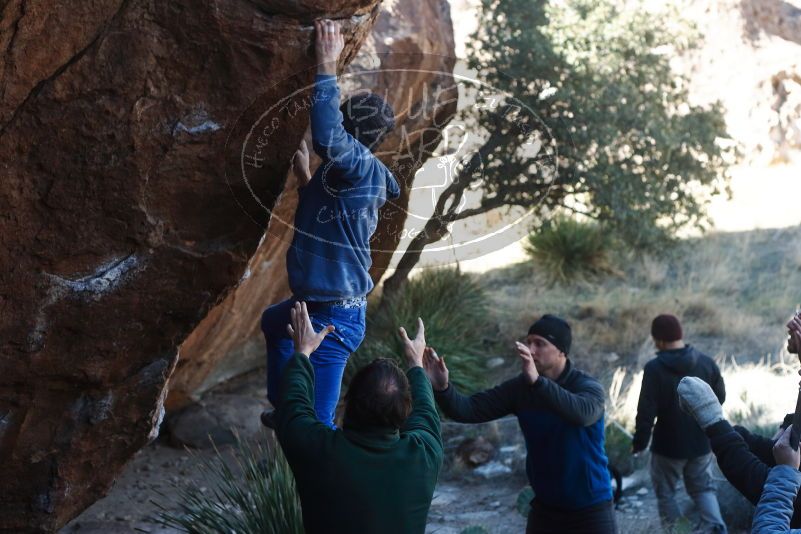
(328, 45)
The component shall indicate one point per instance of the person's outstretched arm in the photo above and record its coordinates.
(646, 410)
(424, 419)
(479, 408)
(582, 407)
(760, 446)
(739, 465)
(297, 427)
(330, 141)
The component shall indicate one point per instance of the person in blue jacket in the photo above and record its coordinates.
(337, 214)
(560, 410)
(775, 506)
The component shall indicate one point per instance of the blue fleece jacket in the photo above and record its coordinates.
(563, 425)
(337, 212)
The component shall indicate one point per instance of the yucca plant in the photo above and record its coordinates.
(568, 249)
(251, 493)
(457, 319)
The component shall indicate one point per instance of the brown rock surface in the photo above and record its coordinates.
(118, 226)
(407, 59)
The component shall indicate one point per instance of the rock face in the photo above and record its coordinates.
(750, 60)
(407, 59)
(121, 218)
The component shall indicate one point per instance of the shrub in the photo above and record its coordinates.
(457, 319)
(252, 494)
(524, 501)
(567, 249)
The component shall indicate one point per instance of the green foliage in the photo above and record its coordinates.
(682, 526)
(252, 493)
(620, 141)
(579, 109)
(568, 249)
(474, 530)
(524, 501)
(618, 448)
(454, 310)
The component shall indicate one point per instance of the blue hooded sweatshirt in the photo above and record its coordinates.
(562, 422)
(337, 212)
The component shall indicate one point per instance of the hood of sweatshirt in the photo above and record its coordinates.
(681, 361)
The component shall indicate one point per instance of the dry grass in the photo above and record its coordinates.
(758, 394)
(733, 293)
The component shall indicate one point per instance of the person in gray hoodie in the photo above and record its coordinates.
(679, 448)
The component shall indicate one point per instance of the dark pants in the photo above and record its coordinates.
(596, 519)
(697, 474)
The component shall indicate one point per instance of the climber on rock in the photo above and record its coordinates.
(329, 260)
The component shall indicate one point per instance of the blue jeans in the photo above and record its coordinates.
(328, 360)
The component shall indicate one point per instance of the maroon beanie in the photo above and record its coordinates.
(666, 328)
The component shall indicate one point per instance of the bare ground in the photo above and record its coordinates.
(464, 497)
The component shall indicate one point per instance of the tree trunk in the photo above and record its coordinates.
(437, 226)
(433, 232)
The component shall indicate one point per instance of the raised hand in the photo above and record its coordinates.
(783, 453)
(435, 368)
(328, 45)
(300, 164)
(527, 362)
(302, 332)
(697, 399)
(413, 348)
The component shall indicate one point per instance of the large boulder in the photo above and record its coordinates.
(408, 59)
(121, 219)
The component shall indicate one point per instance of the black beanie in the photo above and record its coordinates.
(368, 118)
(555, 330)
(666, 328)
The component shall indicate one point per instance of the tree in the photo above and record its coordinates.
(622, 143)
